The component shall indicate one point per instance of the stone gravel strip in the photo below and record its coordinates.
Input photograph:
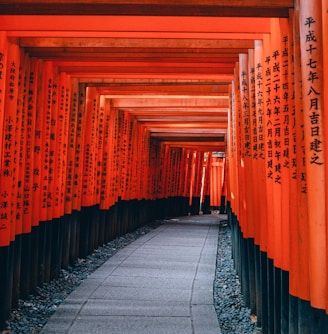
(234, 317)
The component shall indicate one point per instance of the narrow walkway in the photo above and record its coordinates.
(162, 283)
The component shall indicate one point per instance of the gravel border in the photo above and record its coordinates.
(32, 314)
(234, 317)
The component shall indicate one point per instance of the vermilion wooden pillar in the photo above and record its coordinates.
(313, 103)
(325, 96)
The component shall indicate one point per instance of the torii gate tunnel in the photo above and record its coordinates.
(114, 114)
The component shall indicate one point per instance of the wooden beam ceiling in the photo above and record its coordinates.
(168, 64)
(211, 8)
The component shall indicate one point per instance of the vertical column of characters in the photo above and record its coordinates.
(246, 152)
(138, 174)
(55, 147)
(188, 158)
(89, 155)
(114, 155)
(206, 185)
(133, 153)
(193, 177)
(165, 151)
(325, 88)
(21, 125)
(260, 143)
(255, 184)
(170, 174)
(176, 165)
(269, 140)
(118, 158)
(64, 134)
(100, 146)
(4, 218)
(63, 154)
(79, 149)
(71, 145)
(37, 164)
(172, 158)
(293, 177)
(44, 130)
(275, 123)
(33, 78)
(142, 169)
(313, 103)
(185, 172)
(189, 173)
(132, 159)
(125, 159)
(240, 148)
(161, 158)
(9, 168)
(179, 172)
(157, 163)
(97, 153)
(299, 273)
(286, 139)
(17, 159)
(147, 170)
(152, 167)
(232, 151)
(180, 165)
(3, 67)
(199, 173)
(105, 197)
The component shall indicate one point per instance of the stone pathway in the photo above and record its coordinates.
(162, 283)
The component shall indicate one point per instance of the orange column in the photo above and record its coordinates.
(255, 171)
(269, 143)
(29, 138)
(62, 145)
(105, 194)
(274, 122)
(55, 150)
(240, 152)
(9, 168)
(325, 76)
(246, 165)
(3, 72)
(71, 146)
(312, 84)
(299, 271)
(22, 116)
(44, 130)
(294, 177)
(90, 147)
(79, 149)
(286, 119)
(232, 152)
(261, 140)
(100, 147)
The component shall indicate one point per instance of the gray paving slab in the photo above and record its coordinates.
(162, 283)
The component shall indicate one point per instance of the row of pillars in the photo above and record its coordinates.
(36, 258)
(265, 290)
